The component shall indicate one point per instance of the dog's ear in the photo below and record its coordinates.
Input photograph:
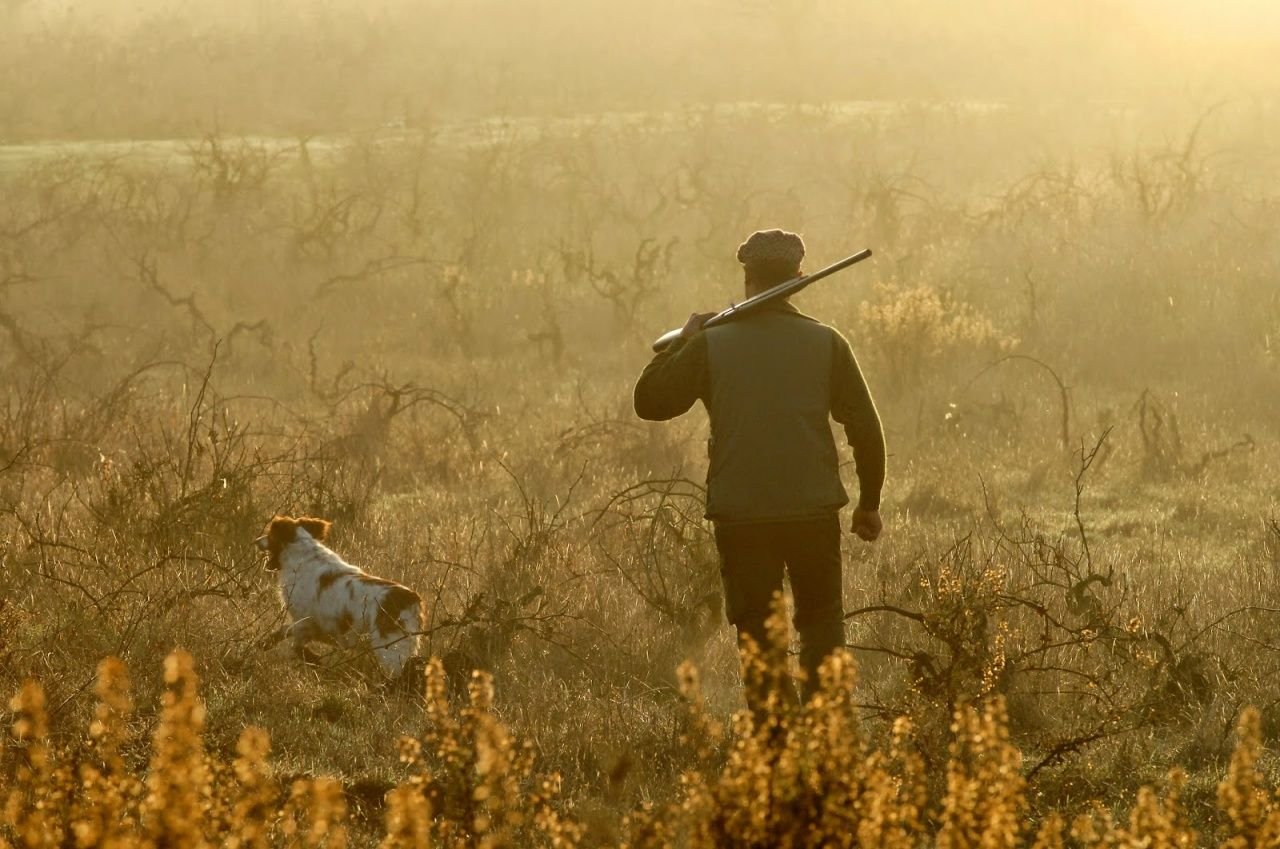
(318, 528)
(281, 530)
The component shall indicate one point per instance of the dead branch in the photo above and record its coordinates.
(1063, 393)
(1086, 461)
(371, 268)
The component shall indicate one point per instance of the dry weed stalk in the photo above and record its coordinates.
(36, 790)
(178, 792)
(986, 799)
(790, 776)
(258, 794)
(314, 816)
(1253, 814)
(474, 784)
(106, 813)
(798, 776)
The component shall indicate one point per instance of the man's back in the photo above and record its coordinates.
(771, 453)
(769, 382)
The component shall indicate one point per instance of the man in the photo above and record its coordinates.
(769, 381)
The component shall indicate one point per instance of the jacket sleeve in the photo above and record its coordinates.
(674, 379)
(851, 406)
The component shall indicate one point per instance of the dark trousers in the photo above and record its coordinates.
(753, 559)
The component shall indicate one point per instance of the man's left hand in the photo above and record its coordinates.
(866, 524)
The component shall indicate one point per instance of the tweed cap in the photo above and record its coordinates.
(772, 247)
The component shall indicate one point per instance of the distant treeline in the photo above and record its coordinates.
(159, 69)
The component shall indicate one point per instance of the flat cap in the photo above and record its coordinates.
(772, 247)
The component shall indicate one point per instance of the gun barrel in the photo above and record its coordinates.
(782, 290)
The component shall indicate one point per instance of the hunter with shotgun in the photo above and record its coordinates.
(770, 378)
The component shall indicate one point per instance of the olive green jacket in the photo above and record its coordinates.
(771, 382)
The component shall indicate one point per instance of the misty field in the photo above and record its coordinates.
(427, 331)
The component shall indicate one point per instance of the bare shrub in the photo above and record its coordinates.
(919, 332)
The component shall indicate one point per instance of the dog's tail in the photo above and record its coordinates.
(400, 612)
(413, 619)
(400, 622)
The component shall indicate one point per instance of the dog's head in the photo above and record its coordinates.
(283, 530)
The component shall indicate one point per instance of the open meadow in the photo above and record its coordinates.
(425, 326)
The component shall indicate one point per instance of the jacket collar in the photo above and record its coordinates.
(780, 305)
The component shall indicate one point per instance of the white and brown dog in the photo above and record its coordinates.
(332, 601)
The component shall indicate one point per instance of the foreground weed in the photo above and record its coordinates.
(474, 784)
(793, 776)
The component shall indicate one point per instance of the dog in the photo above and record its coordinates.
(330, 600)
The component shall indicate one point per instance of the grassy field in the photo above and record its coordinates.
(433, 345)
(428, 333)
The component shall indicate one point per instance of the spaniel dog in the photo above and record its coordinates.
(330, 600)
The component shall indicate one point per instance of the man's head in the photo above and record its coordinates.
(770, 257)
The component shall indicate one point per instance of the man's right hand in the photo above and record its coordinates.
(694, 324)
(866, 524)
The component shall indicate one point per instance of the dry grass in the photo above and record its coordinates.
(431, 337)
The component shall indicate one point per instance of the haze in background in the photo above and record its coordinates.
(95, 69)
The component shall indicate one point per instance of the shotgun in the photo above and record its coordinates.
(753, 303)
